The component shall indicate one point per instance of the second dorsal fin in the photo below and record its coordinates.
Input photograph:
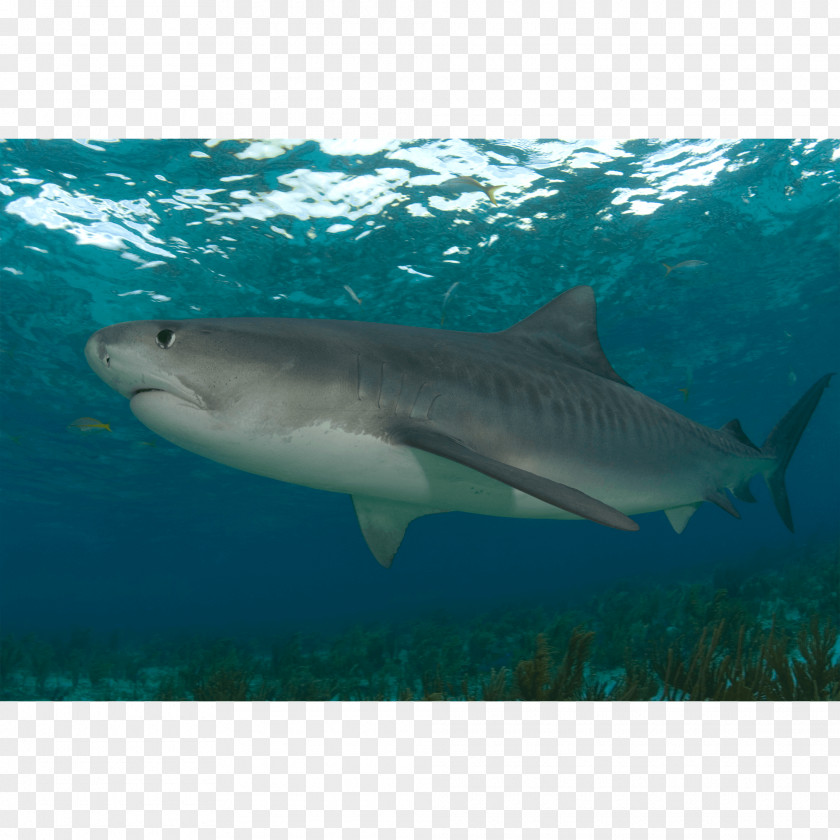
(733, 429)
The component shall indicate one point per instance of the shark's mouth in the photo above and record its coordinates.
(188, 397)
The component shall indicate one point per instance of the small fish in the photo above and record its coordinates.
(446, 300)
(353, 295)
(449, 291)
(689, 380)
(89, 424)
(792, 377)
(683, 264)
(467, 184)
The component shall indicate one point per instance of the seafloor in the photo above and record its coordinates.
(764, 628)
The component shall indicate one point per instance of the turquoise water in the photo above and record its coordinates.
(121, 530)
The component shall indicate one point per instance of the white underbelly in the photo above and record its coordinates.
(327, 457)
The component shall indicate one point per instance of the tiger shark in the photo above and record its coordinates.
(528, 422)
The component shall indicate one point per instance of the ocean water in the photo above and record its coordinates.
(716, 268)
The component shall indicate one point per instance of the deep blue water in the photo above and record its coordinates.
(101, 529)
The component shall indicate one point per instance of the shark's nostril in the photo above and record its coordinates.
(102, 352)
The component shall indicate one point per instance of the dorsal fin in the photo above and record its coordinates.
(733, 428)
(565, 328)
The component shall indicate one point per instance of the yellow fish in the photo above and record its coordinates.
(688, 382)
(467, 184)
(89, 424)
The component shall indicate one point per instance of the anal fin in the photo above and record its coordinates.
(383, 523)
(742, 491)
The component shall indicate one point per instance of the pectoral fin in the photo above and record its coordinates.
(552, 492)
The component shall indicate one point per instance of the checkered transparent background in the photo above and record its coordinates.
(435, 68)
(253, 68)
(420, 770)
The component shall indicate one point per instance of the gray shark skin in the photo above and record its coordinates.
(528, 422)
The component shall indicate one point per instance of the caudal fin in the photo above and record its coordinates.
(491, 192)
(781, 443)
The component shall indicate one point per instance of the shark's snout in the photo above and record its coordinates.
(128, 358)
(99, 352)
(96, 351)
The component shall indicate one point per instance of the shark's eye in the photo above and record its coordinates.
(165, 339)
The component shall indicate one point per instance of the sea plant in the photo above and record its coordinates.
(759, 668)
(538, 679)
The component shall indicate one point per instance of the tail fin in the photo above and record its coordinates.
(491, 192)
(782, 440)
(668, 268)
